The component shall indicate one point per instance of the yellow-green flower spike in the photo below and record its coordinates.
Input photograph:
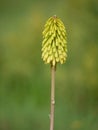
(54, 47)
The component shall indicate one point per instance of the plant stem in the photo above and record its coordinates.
(52, 97)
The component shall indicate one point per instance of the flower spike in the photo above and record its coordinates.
(54, 49)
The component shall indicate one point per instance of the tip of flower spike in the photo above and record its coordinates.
(55, 16)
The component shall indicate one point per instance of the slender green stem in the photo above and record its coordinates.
(52, 97)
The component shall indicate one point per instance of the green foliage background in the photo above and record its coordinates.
(25, 80)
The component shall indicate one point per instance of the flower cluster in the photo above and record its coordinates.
(54, 47)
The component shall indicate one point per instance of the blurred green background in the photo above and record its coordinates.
(25, 80)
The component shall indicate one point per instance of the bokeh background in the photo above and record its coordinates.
(25, 80)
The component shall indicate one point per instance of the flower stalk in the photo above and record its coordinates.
(52, 97)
